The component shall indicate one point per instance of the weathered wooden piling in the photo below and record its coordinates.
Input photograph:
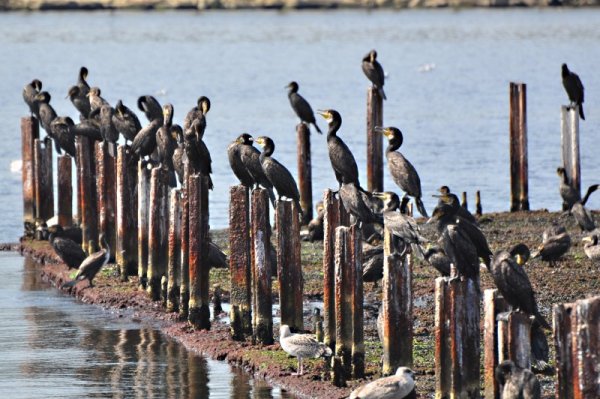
(44, 191)
(174, 259)
(199, 311)
(577, 342)
(239, 262)
(106, 189)
(478, 208)
(184, 287)
(397, 307)
(289, 265)
(29, 133)
(127, 205)
(86, 170)
(463, 201)
(216, 300)
(374, 140)
(143, 192)
(331, 220)
(457, 350)
(519, 179)
(157, 232)
(493, 304)
(65, 190)
(569, 140)
(343, 301)
(262, 317)
(358, 342)
(304, 172)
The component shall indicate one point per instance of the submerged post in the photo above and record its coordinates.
(519, 184)
(29, 133)
(397, 307)
(343, 303)
(106, 189)
(569, 140)
(143, 192)
(239, 262)
(262, 320)
(199, 311)
(184, 288)
(65, 190)
(355, 265)
(43, 178)
(127, 232)
(87, 193)
(374, 140)
(174, 265)
(331, 221)
(304, 172)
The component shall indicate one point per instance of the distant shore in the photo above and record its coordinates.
(23, 5)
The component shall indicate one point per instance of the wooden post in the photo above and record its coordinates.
(289, 265)
(65, 190)
(514, 343)
(569, 140)
(199, 311)
(397, 308)
(261, 268)
(157, 232)
(143, 192)
(519, 193)
(355, 266)
(304, 172)
(44, 179)
(107, 190)
(478, 208)
(331, 221)
(29, 133)
(127, 232)
(343, 301)
(493, 304)
(174, 265)
(457, 350)
(239, 262)
(374, 140)
(85, 171)
(184, 288)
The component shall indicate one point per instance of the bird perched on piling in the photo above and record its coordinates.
(372, 267)
(279, 176)
(30, 91)
(197, 153)
(81, 104)
(574, 88)
(301, 107)
(374, 72)
(555, 243)
(516, 382)
(398, 386)
(179, 157)
(403, 172)
(126, 122)
(301, 346)
(92, 264)
(357, 204)
(166, 142)
(461, 211)
(87, 129)
(82, 83)
(109, 132)
(144, 143)
(568, 193)
(150, 107)
(63, 136)
(46, 113)
(437, 258)
(96, 102)
(591, 247)
(67, 250)
(197, 113)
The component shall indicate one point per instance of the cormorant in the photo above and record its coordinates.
(45, 111)
(583, 217)
(355, 204)
(568, 193)
(30, 91)
(166, 142)
(92, 264)
(96, 101)
(126, 122)
(437, 258)
(516, 382)
(144, 143)
(277, 174)
(301, 107)
(460, 211)
(109, 132)
(315, 226)
(374, 71)
(197, 153)
(87, 129)
(555, 243)
(591, 247)
(398, 386)
(512, 281)
(250, 160)
(67, 250)
(372, 267)
(198, 112)
(216, 257)
(179, 157)
(81, 103)
(574, 88)
(301, 346)
(235, 161)
(82, 83)
(150, 107)
(63, 136)
(403, 172)
(73, 233)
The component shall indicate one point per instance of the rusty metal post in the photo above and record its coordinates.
(29, 133)
(457, 351)
(355, 266)
(262, 321)
(514, 343)
(289, 265)
(86, 171)
(157, 232)
(374, 140)
(563, 330)
(44, 191)
(143, 196)
(184, 287)
(239, 262)
(343, 300)
(569, 140)
(126, 232)
(331, 221)
(304, 172)
(174, 265)
(397, 308)
(65, 190)
(519, 184)
(493, 304)
(107, 194)
(199, 311)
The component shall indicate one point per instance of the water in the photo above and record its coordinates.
(447, 86)
(52, 346)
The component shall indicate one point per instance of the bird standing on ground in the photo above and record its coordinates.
(92, 264)
(568, 193)
(591, 247)
(374, 71)
(301, 346)
(301, 107)
(398, 386)
(67, 250)
(574, 88)
(516, 382)
(315, 226)
(555, 243)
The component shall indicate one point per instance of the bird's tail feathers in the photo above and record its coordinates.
(382, 93)
(540, 319)
(581, 111)
(317, 127)
(421, 207)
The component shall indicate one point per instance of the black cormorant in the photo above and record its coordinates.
(403, 172)
(555, 243)
(179, 157)
(372, 267)
(30, 91)
(72, 233)
(96, 102)
(315, 226)
(357, 205)
(150, 107)
(63, 135)
(166, 142)
(250, 158)
(301, 107)
(81, 103)
(460, 211)
(45, 111)
(583, 217)
(144, 143)
(437, 258)
(82, 83)
(516, 382)
(197, 153)
(92, 264)
(198, 112)
(591, 247)
(109, 132)
(126, 122)
(68, 250)
(574, 88)
(374, 72)
(235, 161)
(216, 257)
(87, 129)
(568, 193)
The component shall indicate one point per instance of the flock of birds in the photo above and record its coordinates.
(460, 241)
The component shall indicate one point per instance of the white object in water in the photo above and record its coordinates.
(426, 67)
(16, 165)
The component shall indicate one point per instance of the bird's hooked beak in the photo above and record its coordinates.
(325, 114)
(383, 130)
(259, 141)
(519, 259)
(587, 240)
(381, 196)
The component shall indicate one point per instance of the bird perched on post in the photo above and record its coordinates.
(46, 113)
(197, 113)
(109, 132)
(301, 346)
(96, 102)
(574, 88)
(301, 107)
(92, 264)
(63, 135)
(516, 382)
(374, 72)
(398, 386)
(30, 91)
(166, 143)
(358, 205)
(197, 153)
(126, 122)
(150, 107)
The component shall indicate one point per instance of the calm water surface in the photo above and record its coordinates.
(447, 85)
(51, 346)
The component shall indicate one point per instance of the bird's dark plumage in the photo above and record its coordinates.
(438, 259)
(62, 133)
(197, 153)
(197, 113)
(555, 243)
(357, 205)
(583, 217)
(300, 106)
(30, 91)
(45, 111)
(92, 264)
(250, 158)
(460, 211)
(150, 107)
(516, 382)
(108, 130)
(179, 157)
(574, 88)
(315, 226)
(235, 161)
(166, 143)
(144, 143)
(216, 257)
(87, 129)
(81, 103)
(68, 250)
(373, 265)
(374, 72)
(96, 102)
(126, 121)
